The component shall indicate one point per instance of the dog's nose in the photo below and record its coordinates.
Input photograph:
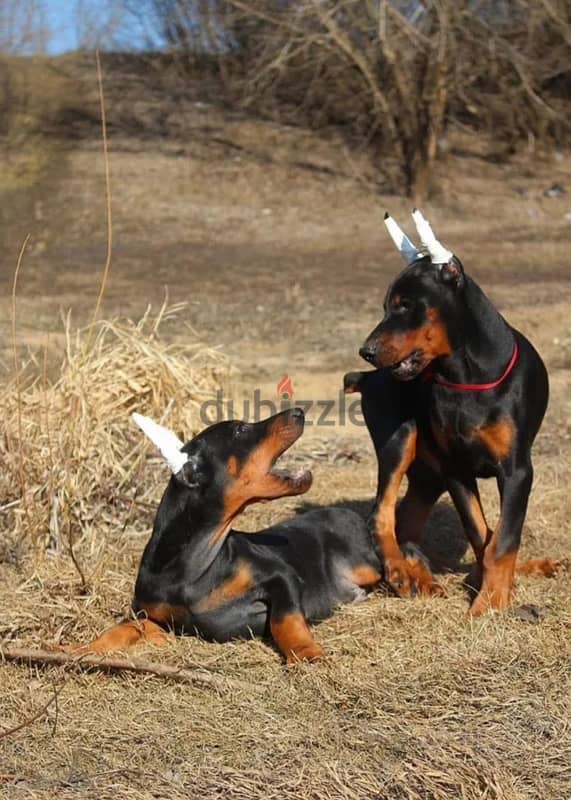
(297, 413)
(368, 352)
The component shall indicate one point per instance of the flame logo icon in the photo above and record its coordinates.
(285, 387)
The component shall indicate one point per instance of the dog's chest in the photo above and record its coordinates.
(472, 440)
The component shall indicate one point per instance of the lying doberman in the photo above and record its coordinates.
(198, 575)
(459, 394)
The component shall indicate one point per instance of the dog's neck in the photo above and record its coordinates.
(186, 538)
(483, 342)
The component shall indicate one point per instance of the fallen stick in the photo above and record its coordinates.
(105, 664)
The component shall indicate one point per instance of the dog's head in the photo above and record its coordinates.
(420, 306)
(232, 464)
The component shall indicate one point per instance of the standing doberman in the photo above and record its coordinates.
(459, 394)
(197, 575)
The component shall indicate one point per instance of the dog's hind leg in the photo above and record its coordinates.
(424, 488)
(466, 497)
(288, 624)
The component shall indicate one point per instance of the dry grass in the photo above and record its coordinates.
(69, 450)
(413, 702)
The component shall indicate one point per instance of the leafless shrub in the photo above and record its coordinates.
(390, 74)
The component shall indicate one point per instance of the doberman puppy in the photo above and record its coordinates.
(459, 394)
(198, 575)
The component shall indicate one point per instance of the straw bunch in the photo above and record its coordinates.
(70, 456)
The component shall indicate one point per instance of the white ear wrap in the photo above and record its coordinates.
(168, 442)
(438, 253)
(405, 247)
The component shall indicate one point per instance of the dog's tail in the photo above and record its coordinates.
(543, 567)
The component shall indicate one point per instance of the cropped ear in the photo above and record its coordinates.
(167, 442)
(452, 272)
(189, 472)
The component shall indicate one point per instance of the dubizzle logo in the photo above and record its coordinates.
(333, 411)
(285, 387)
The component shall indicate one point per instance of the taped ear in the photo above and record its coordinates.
(403, 244)
(438, 253)
(452, 272)
(167, 442)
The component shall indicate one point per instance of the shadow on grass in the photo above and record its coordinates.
(444, 542)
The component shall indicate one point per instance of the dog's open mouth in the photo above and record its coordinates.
(293, 481)
(409, 367)
(288, 482)
(298, 480)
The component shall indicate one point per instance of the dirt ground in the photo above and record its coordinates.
(273, 238)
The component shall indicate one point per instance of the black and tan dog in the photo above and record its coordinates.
(198, 575)
(459, 395)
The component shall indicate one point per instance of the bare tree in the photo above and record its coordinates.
(99, 25)
(397, 76)
(23, 27)
(390, 74)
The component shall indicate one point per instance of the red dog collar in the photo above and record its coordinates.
(475, 387)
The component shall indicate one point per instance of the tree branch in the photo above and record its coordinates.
(201, 677)
(344, 44)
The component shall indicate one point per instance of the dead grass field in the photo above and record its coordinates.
(273, 238)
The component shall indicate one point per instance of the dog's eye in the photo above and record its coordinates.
(401, 306)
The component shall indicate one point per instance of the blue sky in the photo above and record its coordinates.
(65, 19)
(61, 24)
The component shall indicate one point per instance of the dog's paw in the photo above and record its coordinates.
(397, 576)
(308, 652)
(410, 576)
(490, 600)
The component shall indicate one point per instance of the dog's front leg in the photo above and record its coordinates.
(498, 561)
(404, 575)
(122, 636)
